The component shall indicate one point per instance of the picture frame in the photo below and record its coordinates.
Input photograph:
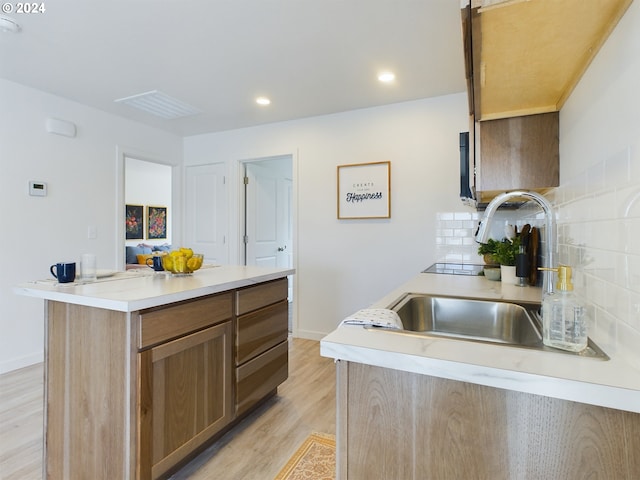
(364, 190)
(134, 222)
(156, 223)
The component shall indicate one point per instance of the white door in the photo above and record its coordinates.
(206, 212)
(265, 228)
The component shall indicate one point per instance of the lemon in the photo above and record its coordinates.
(180, 264)
(167, 262)
(192, 264)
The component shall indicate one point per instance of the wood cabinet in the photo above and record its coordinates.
(185, 393)
(133, 395)
(261, 341)
(522, 61)
(518, 153)
(527, 57)
(394, 424)
(88, 421)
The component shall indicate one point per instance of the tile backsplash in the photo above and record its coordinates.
(455, 242)
(598, 217)
(455, 232)
(598, 232)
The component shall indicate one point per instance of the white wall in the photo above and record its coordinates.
(81, 173)
(345, 265)
(599, 197)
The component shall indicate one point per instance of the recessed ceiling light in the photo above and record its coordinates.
(386, 77)
(263, 101)
(8, 24)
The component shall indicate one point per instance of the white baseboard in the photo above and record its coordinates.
(310, 335)
(21, 362)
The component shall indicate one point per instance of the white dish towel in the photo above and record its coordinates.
(375, 317)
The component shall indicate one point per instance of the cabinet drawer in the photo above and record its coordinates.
(260, 330)
(160, 325)
(256, 378)
(252, 298)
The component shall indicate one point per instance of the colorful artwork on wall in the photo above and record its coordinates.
(156, 223)
(134, 222)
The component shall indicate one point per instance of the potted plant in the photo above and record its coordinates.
(503, 253)
(488, 251)
(506, 251)
(506, 255)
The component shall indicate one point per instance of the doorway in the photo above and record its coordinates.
(267, 221)
(148, 185)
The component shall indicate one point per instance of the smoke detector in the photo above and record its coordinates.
(8, 24)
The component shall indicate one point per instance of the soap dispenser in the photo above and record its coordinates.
(563, 316)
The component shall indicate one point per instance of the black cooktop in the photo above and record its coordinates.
(455, 269)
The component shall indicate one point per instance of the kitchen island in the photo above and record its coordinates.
(412, 406)
(144, 369)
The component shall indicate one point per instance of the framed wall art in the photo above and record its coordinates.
(364, 190)
(156, 222)
(134, 222)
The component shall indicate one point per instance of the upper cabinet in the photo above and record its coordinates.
(517, 153)
(525, 57)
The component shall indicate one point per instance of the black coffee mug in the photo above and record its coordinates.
(64, 272)
(156, 263)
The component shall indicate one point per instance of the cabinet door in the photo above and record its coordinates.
(186, 396)
(518, 153)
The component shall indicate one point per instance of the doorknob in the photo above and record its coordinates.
(282, 249)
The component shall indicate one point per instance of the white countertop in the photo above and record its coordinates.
(612, 383)
(143, 288)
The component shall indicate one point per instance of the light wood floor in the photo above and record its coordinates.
(255, 449)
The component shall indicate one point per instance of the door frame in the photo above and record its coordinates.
(240, 169)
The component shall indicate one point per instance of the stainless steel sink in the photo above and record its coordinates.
(498, 322)
(477, 320)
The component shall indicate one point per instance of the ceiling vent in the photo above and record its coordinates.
(160, 104)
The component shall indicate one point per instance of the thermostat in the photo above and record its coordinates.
(37, 189)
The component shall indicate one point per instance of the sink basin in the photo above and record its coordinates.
(499, 322)
(469, 319)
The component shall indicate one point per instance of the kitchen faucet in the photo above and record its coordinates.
(550, 227)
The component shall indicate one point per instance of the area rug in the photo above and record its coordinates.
(314, 460)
